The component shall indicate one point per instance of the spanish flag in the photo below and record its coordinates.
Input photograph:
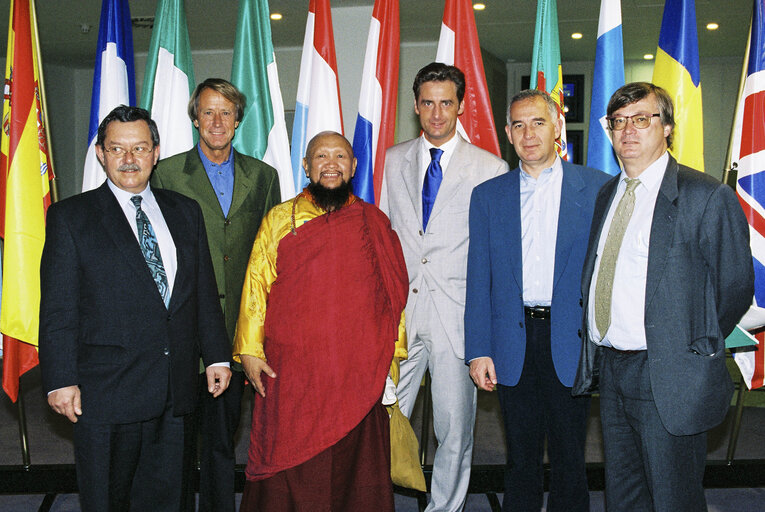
(24, 196)
(677, 71)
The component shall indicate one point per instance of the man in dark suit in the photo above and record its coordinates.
(235, 191)
(528, 236)
(668, 273)
(128, 307)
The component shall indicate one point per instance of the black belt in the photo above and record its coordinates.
(622, 352)
(537, 312)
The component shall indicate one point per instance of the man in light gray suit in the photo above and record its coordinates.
(426, 193)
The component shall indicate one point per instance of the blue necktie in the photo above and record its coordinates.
(150, 249)
(433, 177)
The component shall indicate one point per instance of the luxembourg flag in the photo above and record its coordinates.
(169, 78)
(748, 153)
(458, 46)
(113, 79)
(376, 122)
(607, 78)
(318, 96)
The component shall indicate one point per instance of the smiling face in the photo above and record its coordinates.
(639, 148)
(128, 172)
(438, 109)
(532, 132)
(216, 122)
(329, 161)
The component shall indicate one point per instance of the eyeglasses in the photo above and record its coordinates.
(639, 121)
(137, 151)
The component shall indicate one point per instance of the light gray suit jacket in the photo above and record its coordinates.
(437, 258)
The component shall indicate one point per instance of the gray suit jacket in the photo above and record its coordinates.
(700, 282)
(437, 258)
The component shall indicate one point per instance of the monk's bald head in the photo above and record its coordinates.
(329, 137)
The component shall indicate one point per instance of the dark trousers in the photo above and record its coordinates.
(647, 468)
(133, 466)
(538, 406)
(217, 420)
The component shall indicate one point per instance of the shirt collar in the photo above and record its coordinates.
(123, 196)
(652, 176)
(447, 146)
(546, 175)
(207, 162)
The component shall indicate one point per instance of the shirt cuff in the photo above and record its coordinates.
(226, 364)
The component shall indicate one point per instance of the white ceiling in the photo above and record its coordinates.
(505, 28)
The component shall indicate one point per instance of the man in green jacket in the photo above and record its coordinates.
(235, 191)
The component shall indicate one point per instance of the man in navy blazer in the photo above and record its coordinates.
(528, 237)
(680, 278)
(128, 306)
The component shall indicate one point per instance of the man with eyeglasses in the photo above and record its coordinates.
(128, 307)
(668, 274)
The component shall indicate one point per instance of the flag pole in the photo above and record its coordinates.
(23, 436)
(44, 104)
(728, 170)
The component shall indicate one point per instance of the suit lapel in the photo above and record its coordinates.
(602, 204)
(183, 241)
(454, 178)
(570, 217)
(116, 226)
(411, 177)
(197, 181)
(511, 196)
(242, 184)
(662, 229)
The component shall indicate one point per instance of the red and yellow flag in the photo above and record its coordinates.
(24, 196)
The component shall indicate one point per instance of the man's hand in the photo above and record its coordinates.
(66, 401)
(218, 378)
(483, 374)
(253, 367)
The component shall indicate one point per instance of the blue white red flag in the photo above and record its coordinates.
(748, 154)
(318, 96)
(607, 78)
(458, 46)
(113, 79)
(376, 122)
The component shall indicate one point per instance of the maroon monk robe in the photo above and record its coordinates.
(330, 328)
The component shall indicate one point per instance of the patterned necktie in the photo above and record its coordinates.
(433, 177)
(150, 248)
(604, 285)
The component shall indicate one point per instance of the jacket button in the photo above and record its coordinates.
(415, 290)
(166, 351)
(579, 333)
(226, 222)
(169, 317)
(221, 296)
(424, 260)
(420, 232)
(520, 324)
(225, 258)
(581, 303)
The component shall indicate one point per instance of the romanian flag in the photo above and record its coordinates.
(318, 95)
(24, 196)
(748, 155)
(376, 122)
(458, 46)
(546, 71)
(677, 71)
(262, 134)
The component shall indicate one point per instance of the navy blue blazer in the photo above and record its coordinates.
(103, 324)
(494, 317)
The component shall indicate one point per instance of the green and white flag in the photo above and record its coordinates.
(169, 79)
(262, 133)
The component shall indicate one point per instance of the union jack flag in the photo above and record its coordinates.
(748, 154)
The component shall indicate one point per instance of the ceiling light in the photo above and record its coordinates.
(276, 16)
(648, 56)
(576, 35)
(479, 6)
(712, 26)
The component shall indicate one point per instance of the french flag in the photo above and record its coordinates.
(607, 78)
(748, 153)
(376, 122)
(113, 79)
(458, 46)
(318, 95)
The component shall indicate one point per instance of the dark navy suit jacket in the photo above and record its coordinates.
(494, 316)
(103, 323)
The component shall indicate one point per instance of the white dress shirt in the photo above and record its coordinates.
(627, 329)
(540, 206)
